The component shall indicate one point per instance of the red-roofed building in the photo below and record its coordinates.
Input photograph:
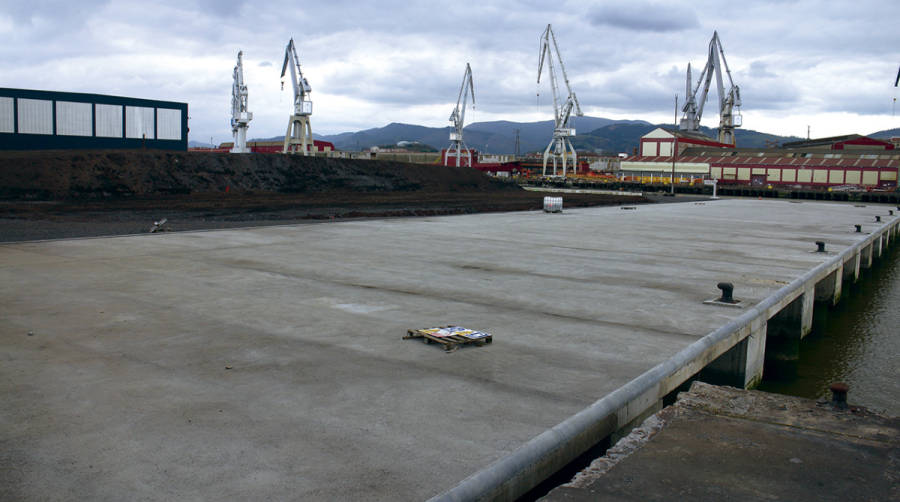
(848, 142)
(854, 161)
(659, 141)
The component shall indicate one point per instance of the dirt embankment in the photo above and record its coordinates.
(67, 175)
(61, 194)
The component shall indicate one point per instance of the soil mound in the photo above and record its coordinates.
(111, 174)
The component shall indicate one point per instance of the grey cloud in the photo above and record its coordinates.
(758, 69)
(644, 46)
(770, 96)
(220, 8)
(29, 11)
(422, 87)
(644, 16)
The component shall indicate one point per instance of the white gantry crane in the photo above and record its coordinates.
(299, 132)
(240, 116)
(729, 118)
(562, 130)
(458, 118)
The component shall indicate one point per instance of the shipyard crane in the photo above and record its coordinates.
(299, 132)
(562, 130)
(240, 116)
(729, 119)
(458, 117)
(896, 82)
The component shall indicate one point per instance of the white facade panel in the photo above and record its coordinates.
(7, 120)
(680, 167)
(139, 122)
(658, 133)
(109, 121)
(74, 119)
(35, 116)
(168, 123)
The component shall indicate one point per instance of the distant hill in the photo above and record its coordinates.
(886, 134)
(748, 138)
(625, 137)
(595, 134)
(613, 139)
(490, 137)
(533, 136)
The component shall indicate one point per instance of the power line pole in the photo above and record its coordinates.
(517, 143)
(674, 144)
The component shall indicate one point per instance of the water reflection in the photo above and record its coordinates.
(858, 342)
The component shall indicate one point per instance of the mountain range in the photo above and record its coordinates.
(595, 134)
(886, 134)
(491, 137)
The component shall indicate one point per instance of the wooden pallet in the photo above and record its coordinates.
(451, 342)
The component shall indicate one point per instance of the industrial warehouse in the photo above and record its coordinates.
(847, 162)
(318, 318)
(39, 120)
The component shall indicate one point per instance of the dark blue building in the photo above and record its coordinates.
(44, 120)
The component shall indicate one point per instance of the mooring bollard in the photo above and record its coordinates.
(839, 395)
(727, 292)
(858, 228)
(890, 212)
(877, 218)
(821, 246)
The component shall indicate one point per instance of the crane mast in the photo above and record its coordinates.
(562, 130)
(240, 116)
(693, 107)
(458, 118)
(299, 132)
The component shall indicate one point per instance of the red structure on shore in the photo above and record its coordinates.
(265, 147)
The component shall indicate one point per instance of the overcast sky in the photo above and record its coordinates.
(829, 65)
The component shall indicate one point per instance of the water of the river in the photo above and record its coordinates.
(858, 342)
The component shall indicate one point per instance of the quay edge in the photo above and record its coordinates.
(735, 351)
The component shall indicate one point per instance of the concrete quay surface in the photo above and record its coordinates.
(268, 363)
(722, 443)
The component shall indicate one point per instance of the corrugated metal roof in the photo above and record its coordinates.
(774, 161)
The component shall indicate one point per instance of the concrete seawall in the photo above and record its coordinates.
(734, 354)
(723, 443)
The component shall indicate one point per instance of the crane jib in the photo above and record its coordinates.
(562, 109)
(694, 102)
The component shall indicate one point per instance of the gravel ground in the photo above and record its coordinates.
(29, 220)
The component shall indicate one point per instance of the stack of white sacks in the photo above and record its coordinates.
(552, 204)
